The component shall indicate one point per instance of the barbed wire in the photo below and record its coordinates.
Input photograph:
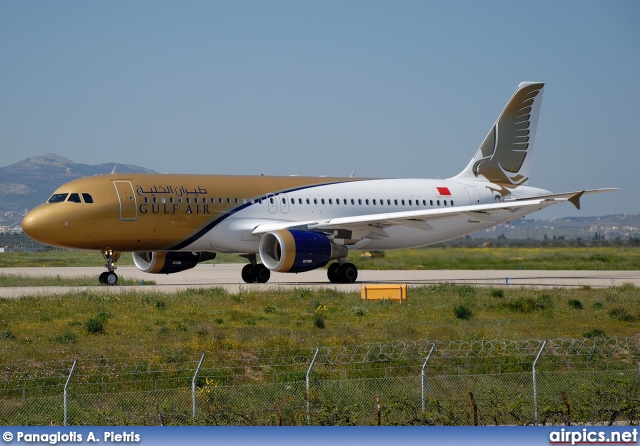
(238, 362)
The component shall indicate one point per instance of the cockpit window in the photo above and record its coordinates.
(74, 198)
(87, 198)
(58, 198)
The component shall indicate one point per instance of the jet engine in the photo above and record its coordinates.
(293, 251)
(169, 262)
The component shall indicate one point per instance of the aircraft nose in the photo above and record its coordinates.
(35, 225)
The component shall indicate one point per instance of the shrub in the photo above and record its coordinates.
(497, 293)
(270, 309)
(595, 333)
(462, 312)
(622, 314)
(95, 325)
(7, 335)
(68, 337)
(529, 304)
(575, 303)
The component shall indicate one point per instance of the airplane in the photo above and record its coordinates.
(295, 224)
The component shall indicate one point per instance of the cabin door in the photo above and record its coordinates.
(128, 207)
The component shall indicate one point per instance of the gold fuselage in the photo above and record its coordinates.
(149, 212)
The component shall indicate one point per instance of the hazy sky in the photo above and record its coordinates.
(386, 88)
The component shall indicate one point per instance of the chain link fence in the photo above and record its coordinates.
(496, 382)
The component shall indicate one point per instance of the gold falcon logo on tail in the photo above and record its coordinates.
(504, 157)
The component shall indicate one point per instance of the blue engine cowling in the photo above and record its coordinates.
(292, 251)
(169, 262)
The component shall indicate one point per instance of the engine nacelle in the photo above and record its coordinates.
(169, 262)
(292, 251)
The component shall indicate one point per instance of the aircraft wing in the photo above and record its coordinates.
(372, 225)
(572, 197)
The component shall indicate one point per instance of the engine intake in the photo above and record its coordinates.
(169, 262)
(293, 251)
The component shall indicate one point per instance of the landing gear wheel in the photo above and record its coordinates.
(332, 273)
(347, 273)
(255, 273)
(103, 278)
(247, 273)
(262, 273)
(111, 279)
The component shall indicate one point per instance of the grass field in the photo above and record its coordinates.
(90, 324)
(543, 258)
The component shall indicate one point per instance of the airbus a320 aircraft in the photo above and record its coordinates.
(296, 224)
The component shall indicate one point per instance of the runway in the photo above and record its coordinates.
(227, 276)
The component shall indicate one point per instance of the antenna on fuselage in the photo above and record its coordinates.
(352, 174)
(114, 169)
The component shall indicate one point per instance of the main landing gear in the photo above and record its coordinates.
(109, 277)
(342, 272)
(255, 272)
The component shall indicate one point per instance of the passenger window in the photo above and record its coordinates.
(270, 200)
(228, 200)
(284, 201)
(395, 202)
(360, 201)
(74, 198)
(220, 200)
(330, 201)
(366, 201)
(308, 202)
(431, 202)
(451, 202)
(188, 199)
(235, 200)
(87, 198)
(58, 198)
(438, 202)
(353, 201)
(164, 200)
(445, 202)
(315, 201)
(402, 202)
(322, 201)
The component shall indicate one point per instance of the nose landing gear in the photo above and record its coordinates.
(109, 277)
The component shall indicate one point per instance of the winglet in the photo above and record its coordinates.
(575, 200)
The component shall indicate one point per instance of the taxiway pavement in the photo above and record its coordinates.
(227, 276)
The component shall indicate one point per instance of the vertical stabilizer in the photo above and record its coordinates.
(504, 157)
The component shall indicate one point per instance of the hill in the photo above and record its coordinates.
(28, 183)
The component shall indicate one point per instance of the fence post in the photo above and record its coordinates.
(535, 392)
(66, 387)
(422, 375)
(308, 387)
(193, 387)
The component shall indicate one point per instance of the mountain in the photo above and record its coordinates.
(30, 182)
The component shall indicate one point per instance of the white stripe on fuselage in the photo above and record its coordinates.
(328, 201)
